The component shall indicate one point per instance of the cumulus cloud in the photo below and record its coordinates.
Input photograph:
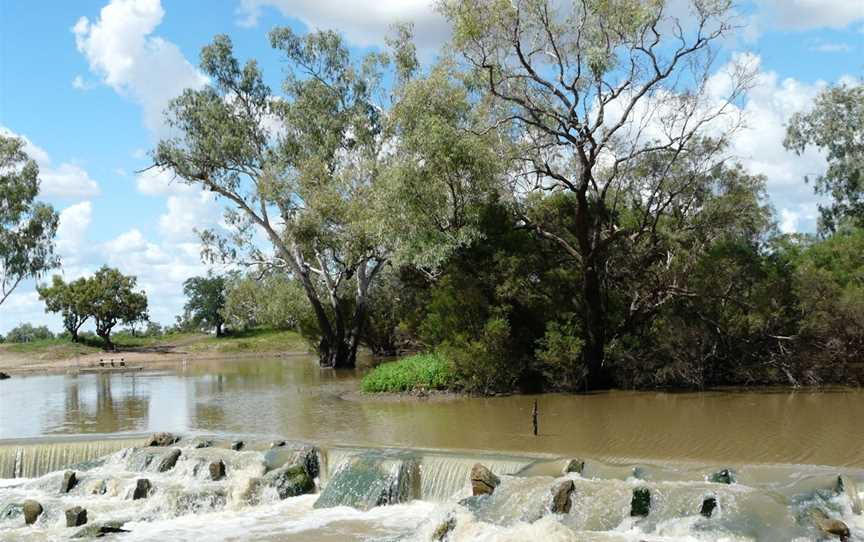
(65, 180)
(161, 182)
(363, 23)
(809, 14)
(186, 213)
(121, 50)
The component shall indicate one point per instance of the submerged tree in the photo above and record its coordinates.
(73, 301)
(27, 227)
(835, 126)
(206, 299)
(594, 91)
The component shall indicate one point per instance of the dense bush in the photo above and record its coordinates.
(26, 332)
(430, 371)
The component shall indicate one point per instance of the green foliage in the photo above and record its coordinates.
(114, 300)
(26, 332)
(488, 363)
(835, 125)
(273, 301)
(206, 300)
(74, 302)
(560, 351)
(430, 371)
(27, 227)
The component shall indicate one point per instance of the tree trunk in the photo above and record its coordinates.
(593, 353)
(218, 329)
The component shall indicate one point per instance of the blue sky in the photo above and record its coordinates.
(84, 82)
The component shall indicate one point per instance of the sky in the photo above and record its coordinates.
(85, 84)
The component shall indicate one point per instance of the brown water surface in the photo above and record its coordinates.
(292, 398)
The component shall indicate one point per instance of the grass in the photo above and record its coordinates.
(256, 340)
(253, 340)
(429, 371)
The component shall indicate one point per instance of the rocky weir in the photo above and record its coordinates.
(211, 488)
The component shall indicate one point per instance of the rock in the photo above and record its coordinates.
(474, 503)
(142, 489)
(708, 506)
(11, 511)
(290, 481)
(284, 455)
(483, 480)
(76, 516)
(444, 529)
(827, 525)
(154, 459)
(98, 530)
(163, 439)
(372, 479)
(561, 494)
(640, 504)
(4, 376)
(32, 510)
(574, 465)
(217, 470)
(724, 476)
(277, 444)
(69, 481)
(237, 445)
(199, 443)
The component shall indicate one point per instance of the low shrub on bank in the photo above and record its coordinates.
(430, 371)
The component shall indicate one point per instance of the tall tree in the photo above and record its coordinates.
(71, 300)
(27, 227)
(835, 125)
(206, 299)
(114, 300)
(589, 90)
(299, 168)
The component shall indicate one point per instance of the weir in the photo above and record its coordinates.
(398, 491)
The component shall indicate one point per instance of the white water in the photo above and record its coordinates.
(765, 504)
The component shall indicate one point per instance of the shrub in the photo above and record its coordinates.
(430, 371)
(487, 364)
(26, 333)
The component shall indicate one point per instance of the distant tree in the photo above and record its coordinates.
(274, 301)
(27, 227)
(835, 125)
(26, 332)
(153, 329)
(73, 301)
(114, 300)
(206, 299)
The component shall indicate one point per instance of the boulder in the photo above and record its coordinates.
(76, 517)
(828, 525)
(483, 480)
(724, 476)
(154, 459)
(708, 506)
(277, 444)
(237, 445)
(4, 376)
(98, 530)
(444, 529)
(142, 489)
(217, 470)
(640, 503)
(163, 439)
(69, 481)
(32, 510)
(561, 493)
(574, 465)
(372, 479)
(289, 481)
(286, 455)
(11, 511)
(199, 443)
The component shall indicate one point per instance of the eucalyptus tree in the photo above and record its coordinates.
(113, 299)
(835, 125)
(298, 169)
(72, 300)
(27, 227)
(206, 299)
(590, 90)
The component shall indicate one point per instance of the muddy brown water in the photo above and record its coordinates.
(293, 398)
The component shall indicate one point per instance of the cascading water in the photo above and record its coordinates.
(422, 491)
(27, 460)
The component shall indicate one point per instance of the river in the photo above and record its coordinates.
(771, 437)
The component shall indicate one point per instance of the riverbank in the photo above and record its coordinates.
(59, 356)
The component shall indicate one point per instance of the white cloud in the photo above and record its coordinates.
(186, 213)
(809, 14)
(830, 47)
(66, 180)
(363, 23)
(121, 50)
(161, 182)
